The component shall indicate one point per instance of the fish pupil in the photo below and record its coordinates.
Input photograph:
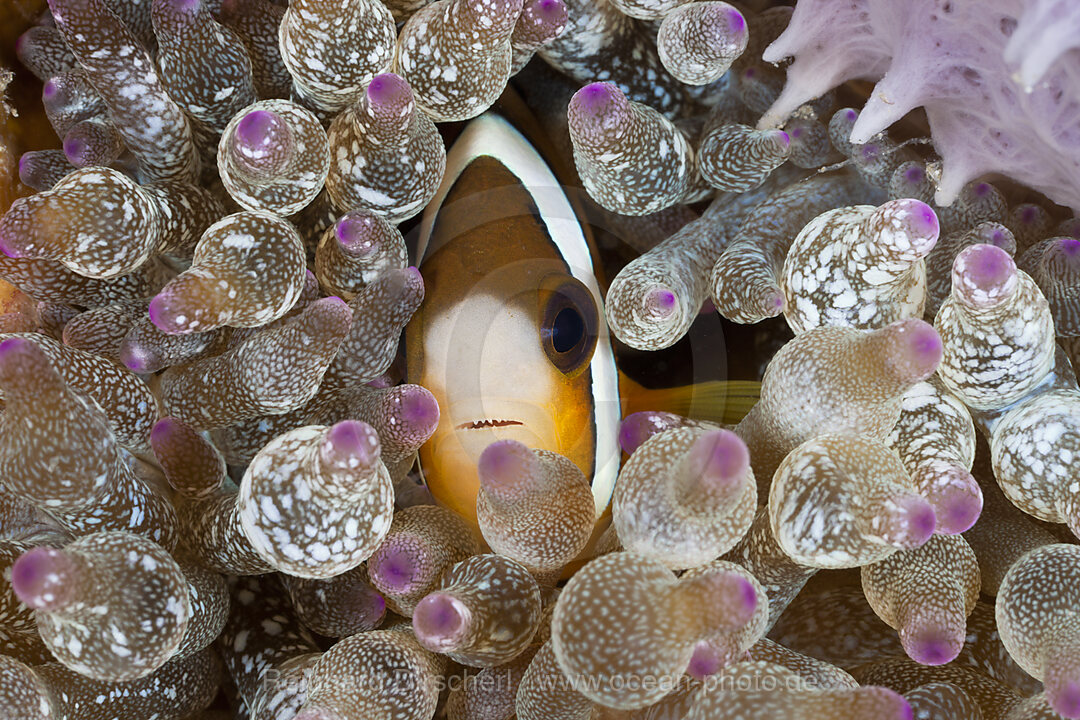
(567, 330)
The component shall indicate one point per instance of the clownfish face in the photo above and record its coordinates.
(511, 327)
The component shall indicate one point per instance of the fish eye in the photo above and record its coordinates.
(567, 330)
(569, 322)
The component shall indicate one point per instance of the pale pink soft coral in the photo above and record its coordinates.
(999, 79)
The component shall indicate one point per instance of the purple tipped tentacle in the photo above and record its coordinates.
(660, 301)
(704, 662)
(1063, 694)
(45, 578)
(720, 458)
(505, 466)
(638, 427)
(983, 275)
(394, 568)
(931, 645)
(914, 349)
(390, 101)
(356, 233)
(138, 358)
(955, 495)
(908, 522)
(93, 142)
(262, 145)
(350, 445)
(419, 410)
(176, 308)
(441, 621)
(597, 107)
(42, 169)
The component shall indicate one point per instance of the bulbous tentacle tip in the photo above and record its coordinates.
(638, 427)
(166, 316)
(356, 232)
(75, 149)
(1065, 698)
(42, 577)
(404, 282)
(177, 10)
(931, 646)
(261, 132)
(924, 345)
(333, 301)
(49, 91)
(372, 602)
(911, 524)
(9, 244)
(1069, 246)
(351, 444)
(957, 500)
(704, 662)
(185, 6)
(552, 12)
(917, 349)
(920, 221)
(778, 140)
(138, 358)
(504, 462)
(393, 568)
(746, 602)
(735, 20)
(983, 275)
(660, 302)
(326, 317)
(165, 431)
(597, 100)
(440, 621)
(19, 358)
(914, 173)
(720, 457)
(419, 409)
(390, 91)
(13, 349)
(733, 597)
(900, 708)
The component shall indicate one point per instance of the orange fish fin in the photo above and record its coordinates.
(720, 401)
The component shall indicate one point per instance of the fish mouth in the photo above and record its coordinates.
(486, 423)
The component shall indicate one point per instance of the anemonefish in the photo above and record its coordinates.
(511, 337)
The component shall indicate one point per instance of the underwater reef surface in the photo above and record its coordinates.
(549, 359)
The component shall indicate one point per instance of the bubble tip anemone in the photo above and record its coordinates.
(596, 100)
(918, 349)
(41, 578)
(912, 524)
(504, 462)
(957, 502)
(165, 315)
(419, 409)
(351, 443)
(931, 646)
(138, 357)
(1065, 699)
(723, 457)
(441, 621)
(394, 568)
